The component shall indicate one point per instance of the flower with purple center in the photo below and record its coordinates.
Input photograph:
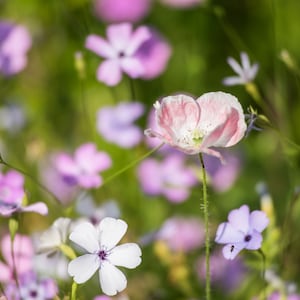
(242, 231)
(82, 169)
(115, 124)
(15, 41)
(103, 254)
(170, 178)
(119, 52)
(116, 11)
(12, 195)
(246, 73)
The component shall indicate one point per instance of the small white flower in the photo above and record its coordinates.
(246, 73)
(103, 254)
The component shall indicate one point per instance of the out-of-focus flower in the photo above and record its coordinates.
(242, 231)
(82, 169)
(116, 11)
(15, 41)
(118, 51)
(115, 124)
(222, 176)
(182, 3)
(182, 234)
(32, 288)
(23, 254)
(215, 119)
(103, 254)
(220, 269)
(86, 207)
(12, 118)
(119, 297)
(278, 296)
(12, 194)
(246, 73)
(154, 55)
(170, 178)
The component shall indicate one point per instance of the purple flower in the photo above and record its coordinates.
(12, 194)
(242, 231)
(82, 169)
(32, 288)
(23, 255)
(277, 296)
(115, 124)
(170, 178)
(15, 41)
(115, 11)
(182, 234)
(118, 51)
(154, 55)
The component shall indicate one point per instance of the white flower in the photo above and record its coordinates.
(103, 254)
(246, 73)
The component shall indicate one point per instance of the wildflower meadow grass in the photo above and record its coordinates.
(149, 150)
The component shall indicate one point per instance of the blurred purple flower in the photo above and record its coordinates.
(115, 11)
(82, 169)
(182, 234)
(23, 255)
(246, 73)
(32, 288)
(242, 231)
(154, 55)
(12, 194)
(115, 124)
(170, 178)
(118, 51)
(220, 269)
(15, 41)
(222, 176)
(182, 3)
(277, 296)
(12, 117)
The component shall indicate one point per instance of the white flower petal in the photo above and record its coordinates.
(112, 280)
(111, 231)
(126, 255)
(235, 66)
(233, 80)
(83, 267)
(85, 235)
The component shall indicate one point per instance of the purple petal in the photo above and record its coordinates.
(239, 219)
(88, 181)
(119, 35)
(132, 66)
(230, 251)
(100, 46)
(39, 207)
(258, 220)
(255, 242)
(227, 234)
(139, 36)
(109, 72)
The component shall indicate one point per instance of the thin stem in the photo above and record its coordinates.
(263, 256)
(132, 164)
(206, 224)
(73, 290)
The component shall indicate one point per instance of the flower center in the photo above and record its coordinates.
(248, 238)
(121, 54)
(102, 254)
(33, 293)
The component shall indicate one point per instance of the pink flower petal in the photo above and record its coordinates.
(139, 36)
(100, 46)
(109, 72)
(119, 35)
(132, 66)
(39, 208)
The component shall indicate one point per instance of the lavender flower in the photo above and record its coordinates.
(242, 231)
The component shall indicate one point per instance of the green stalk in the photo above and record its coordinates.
(206, 224)
(73, 290)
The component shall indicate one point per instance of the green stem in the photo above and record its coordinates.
(206, 224)
(73, 290)
(132, 164)
(263, 256)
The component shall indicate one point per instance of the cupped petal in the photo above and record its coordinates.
(132, 66)
(127, 255)
(255, 242)
(240, 218)
(39, 208)
(112, 280)
(230, 251)
(258, 220)
(83, 267)
(111, 231)
(100, 46)
(119, 35)
(109, 72)
(139, 36)
(85, 235)
(227, 234)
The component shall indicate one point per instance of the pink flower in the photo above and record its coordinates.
(115, 11)
(118, 51)
(170, 178)
(182, 3)
(278, 296)
(83, 168)
(215, 119)
(12, 194)
(15, 41)
(23, 255)
(182, 234)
